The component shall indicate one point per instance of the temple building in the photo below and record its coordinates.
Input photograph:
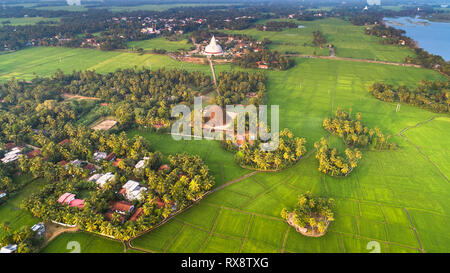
(213, 49)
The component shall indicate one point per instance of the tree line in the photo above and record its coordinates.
(430, 95)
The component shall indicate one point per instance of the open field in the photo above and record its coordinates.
(45, 61)
(26, 20)
(88, 244)
(349, 41)
(161, 43)
(153, 7)
(384, 200)
(104, 125)
(10, 212)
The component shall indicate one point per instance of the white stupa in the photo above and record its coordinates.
(213, 49)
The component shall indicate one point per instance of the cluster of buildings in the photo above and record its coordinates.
(13, 153)
(156, 26)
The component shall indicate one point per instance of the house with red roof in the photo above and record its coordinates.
(164, 167)
(262, 65)
(34, 153)
(110, 157)
(69, 199)
(64, 142)
(122, 207)
(137, 214)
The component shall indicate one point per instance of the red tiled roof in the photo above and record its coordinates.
(34, 153)
(110, 157)
(77, 203)
(164, 167)
(63, 163)
(64, 142)
(89, 166)
(9, 146)
(116, 163)
(159, 203)
(122, 191)
(65, 198)
(122, 206)
(137, 214)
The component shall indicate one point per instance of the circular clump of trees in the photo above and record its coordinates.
(311, 216)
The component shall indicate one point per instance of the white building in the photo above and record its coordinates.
(12, 155)
(102, 179)
(132, 190)
(141, 163)
(98, 156)
(213, 49)
(39, 229)
(9, 249)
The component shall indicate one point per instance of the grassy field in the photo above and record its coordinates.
(88, 244)
(387, 196)
(10, 212)
(349, 41)
(26, 20)
(45, 61)
(161, 43)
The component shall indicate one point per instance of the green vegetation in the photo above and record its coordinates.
(311, 215)
(433, 96)
(398, 198)
(11, 213)
(348, 40)
(161, 43)
(290, 151)
(220, 162)
(354, 133)
(332, 163)
(89, 243)
(26, 21)
(44, 61)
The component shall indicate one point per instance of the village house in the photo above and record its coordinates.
(39, 229)
(102, 179)
(99, 156)
(141, 163)
(121, 207)
(12, 155)
(132, 190)
(70, 199)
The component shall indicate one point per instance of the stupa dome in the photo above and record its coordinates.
(213, 48)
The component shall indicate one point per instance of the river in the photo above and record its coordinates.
(434, 37)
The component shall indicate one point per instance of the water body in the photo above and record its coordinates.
(434, 37)
(73, 2)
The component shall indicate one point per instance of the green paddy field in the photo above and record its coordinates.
(348, 40)
(396, 198)
(161, 43)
